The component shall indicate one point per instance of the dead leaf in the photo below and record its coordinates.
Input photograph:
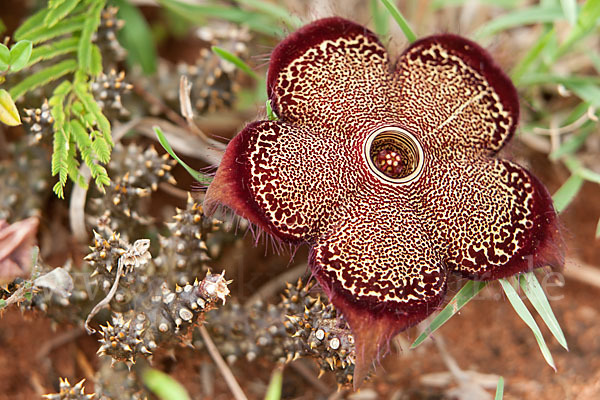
(16, 242)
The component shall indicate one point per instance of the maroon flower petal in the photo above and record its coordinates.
(285, 179)
(498, 219)
(378, 266)
(332, 75)
(451, 92)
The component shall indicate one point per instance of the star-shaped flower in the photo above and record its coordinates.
(387, 172)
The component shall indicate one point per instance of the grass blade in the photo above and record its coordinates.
(569, 8)
(534, 292)
(380, 19)
(274, 11)
(198, 12)
(235, 60)
(525, 315)
(532, 55)
(499, 389)
(520, 17)
(400, 20)
(464, 295)
(165, 144)
(567, 192)
(163, 386)
(275, 385)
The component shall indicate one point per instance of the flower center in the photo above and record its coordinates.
(394, 155)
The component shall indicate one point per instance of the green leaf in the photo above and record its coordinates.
(598, 230)
(2, 303)
(276, 12)
(101, 149)
(19, 54)
(35, 22)
(235, 60)
(196, 13)
(41, 33)
(569, 8)
(464, 295)
(499, 389)
(4, 57)
(165, 144)
(2, 26)
(43, 77)
(9, 114)
(60, 156)
(96, 61)
(163, 386)
(275, 385)
(90, 26)
(137, 37)
(91, 106)
(526, 316)
(520, 17)
(400, 20)
(53, 49)
(59, 11)
(534, 292)
(567, 192)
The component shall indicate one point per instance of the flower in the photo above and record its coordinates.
(388, 172)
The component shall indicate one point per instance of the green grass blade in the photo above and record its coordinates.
(499, 389)
(520, 17)
(275, 385)
(400, 20)
(165, 144)
(464, 295)
(276, 12)
(525, 315)
(380, 19)
(573, 143)
(532, 55)
(43, 77)
(199, 12)
(136, 36)
(534, 292)
(569, 8)
(163, 386)
(567, 192)
(589, 18)
(235, 60)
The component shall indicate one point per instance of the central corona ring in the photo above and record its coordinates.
(394, 155)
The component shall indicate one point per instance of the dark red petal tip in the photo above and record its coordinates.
(306, 37)
(481, 61)
(229, 187)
